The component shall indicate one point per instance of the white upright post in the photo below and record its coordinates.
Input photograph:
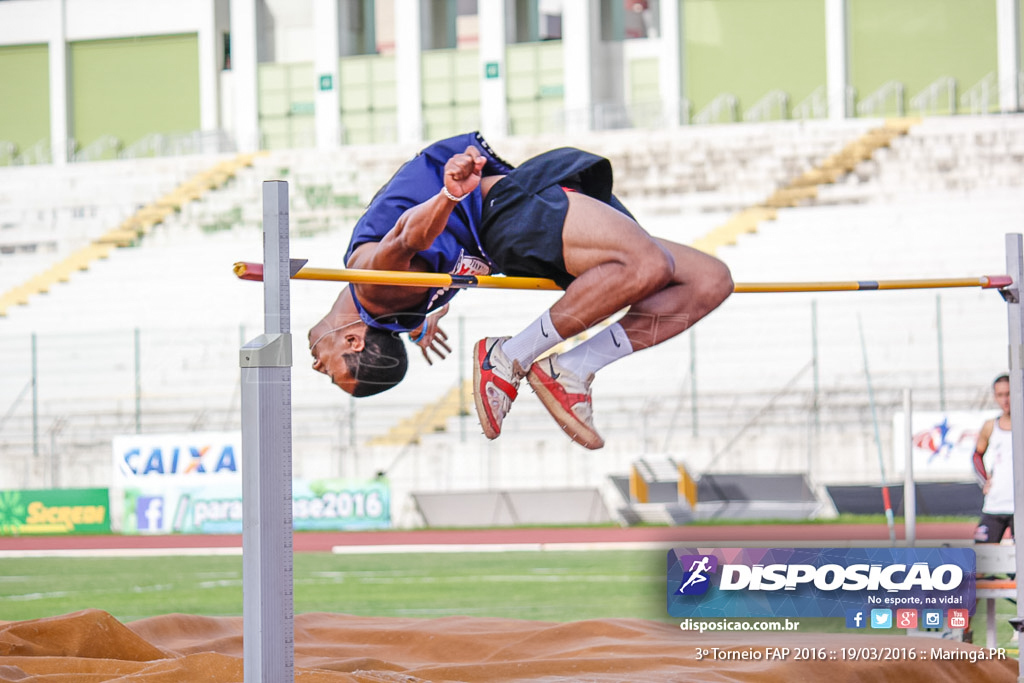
(909, 487)
(267, 585)
(1015, 269)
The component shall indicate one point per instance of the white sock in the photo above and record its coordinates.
(607, 346)
(537, 338)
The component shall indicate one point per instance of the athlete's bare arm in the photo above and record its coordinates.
(414, 232)
(979, 452)
(984, 435)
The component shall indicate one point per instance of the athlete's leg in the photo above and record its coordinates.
(617, 264)
(667, 286)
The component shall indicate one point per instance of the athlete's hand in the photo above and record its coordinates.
(462, 172)
(435, 340)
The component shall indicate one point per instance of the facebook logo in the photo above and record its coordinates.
(149, 513)
(855, 618)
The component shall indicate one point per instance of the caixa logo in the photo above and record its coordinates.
(697, 578)
(176, 455)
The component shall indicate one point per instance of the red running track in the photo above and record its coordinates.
(824, 534)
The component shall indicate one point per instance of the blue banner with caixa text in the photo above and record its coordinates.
(817, 582)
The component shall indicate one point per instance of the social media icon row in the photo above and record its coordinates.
(905, 618)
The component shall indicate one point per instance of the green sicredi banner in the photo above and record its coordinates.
(54, 511)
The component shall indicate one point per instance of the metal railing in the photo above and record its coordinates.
(179, 144)
(619, 115)
(982, 97)
(930, 100)
(814, 106)
(8, 153)
(773, 106)
(103, 147)
(875, 103)
(725, 104)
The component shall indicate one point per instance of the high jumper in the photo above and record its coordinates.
(458, 208)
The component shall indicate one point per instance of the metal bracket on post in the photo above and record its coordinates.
(1011, 295)
(267, 351)
(1015, 269)
(267, 585)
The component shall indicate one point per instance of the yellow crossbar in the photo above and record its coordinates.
(254, 271)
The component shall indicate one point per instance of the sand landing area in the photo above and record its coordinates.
(91, 646)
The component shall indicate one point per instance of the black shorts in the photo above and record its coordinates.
(992, 527)
(524, 212)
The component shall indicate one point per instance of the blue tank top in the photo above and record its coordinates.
(456, 250)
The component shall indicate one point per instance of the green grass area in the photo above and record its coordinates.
(552, 586)
(549, 586)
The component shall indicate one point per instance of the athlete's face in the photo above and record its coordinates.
(1001, 394)
(328, 344)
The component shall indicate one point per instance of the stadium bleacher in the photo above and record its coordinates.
(918, 208)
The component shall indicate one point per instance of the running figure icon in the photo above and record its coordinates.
(697, 573)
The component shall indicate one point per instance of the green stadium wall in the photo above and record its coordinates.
(916, 42)
(750, 47)
(129, 88)
(25, 84)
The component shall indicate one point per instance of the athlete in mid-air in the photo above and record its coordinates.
(459, 208)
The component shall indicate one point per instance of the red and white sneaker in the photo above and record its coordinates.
(495, 384)
(567, 398)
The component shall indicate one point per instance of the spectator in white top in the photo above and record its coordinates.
(993, 463)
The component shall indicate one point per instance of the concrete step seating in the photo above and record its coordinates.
(139, 224)
(433, 417)
(804, 187)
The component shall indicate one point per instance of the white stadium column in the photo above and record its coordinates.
(577, 58)
(1008, 54)
(493, 99)
(670, 64)
(58, 57)
(325, 73)
(209, 66)
(409, 70)
(836, 58)
(243, 75)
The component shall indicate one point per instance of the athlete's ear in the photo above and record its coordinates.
(356, 339)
